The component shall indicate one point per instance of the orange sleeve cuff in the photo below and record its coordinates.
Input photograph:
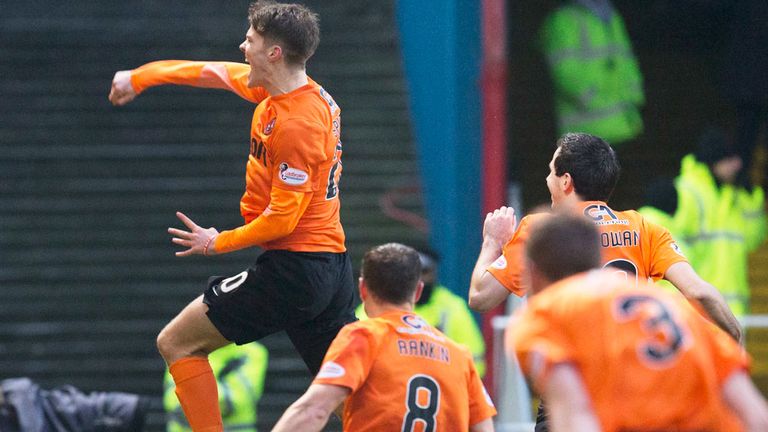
(278, 220)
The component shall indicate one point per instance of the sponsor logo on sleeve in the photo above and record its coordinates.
(500, 263)
(292, 176)
(331, 370)
(676, 248)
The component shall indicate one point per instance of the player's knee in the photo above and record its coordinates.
(165, 345)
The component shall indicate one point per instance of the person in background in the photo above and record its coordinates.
(393, 372)
(598, 86)
(445, 311)
(582, 175)
(720, 220)
(608, 355)
(240, 373)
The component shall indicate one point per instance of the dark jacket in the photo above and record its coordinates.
(28, 408)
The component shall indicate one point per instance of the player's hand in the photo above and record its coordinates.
(122, 91)
(197, 240)
(499, 225)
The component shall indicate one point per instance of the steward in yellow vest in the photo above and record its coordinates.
(597, 83)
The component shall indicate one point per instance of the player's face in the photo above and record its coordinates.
(256, 52)
(553, 181)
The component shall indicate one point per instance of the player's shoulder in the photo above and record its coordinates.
(531, 220)
(316, 97)
(535, 218)
(581, 290)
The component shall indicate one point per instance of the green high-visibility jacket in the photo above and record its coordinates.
(720, 224)
(598, 86)
(240, 372)
(450, 314)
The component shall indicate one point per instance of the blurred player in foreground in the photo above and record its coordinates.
(303, 283)
(608, 355)
(395, 371)
(582, 175)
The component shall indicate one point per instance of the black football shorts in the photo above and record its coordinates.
(310, 295)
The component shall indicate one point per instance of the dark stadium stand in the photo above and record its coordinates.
(87, 271)
(757, 338)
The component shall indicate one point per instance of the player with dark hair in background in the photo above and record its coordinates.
(395, 371)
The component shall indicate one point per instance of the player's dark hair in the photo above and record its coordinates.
(391, 271)
(592, 164)
(563, 245)
(292, 26)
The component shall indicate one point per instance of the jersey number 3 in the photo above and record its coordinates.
(423, 402)
(665, 335)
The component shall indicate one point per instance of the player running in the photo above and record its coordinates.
(303, 282)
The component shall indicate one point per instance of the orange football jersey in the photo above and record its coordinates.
(295, 149)
(648, 360)
(404, 376)
(630, 244)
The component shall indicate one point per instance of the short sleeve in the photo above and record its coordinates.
(480, 404)
(298, 151)
(537, 340)
(349, 358)
(664, 250)
(509, 268)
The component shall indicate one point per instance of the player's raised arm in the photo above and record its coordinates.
(485, 291)
(128, 84)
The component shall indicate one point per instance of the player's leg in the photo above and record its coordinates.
(313, 337)
(185, 344)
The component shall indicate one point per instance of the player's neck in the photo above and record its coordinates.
(285, 80)
(374, 309)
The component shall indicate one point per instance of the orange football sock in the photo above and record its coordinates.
(196, 390)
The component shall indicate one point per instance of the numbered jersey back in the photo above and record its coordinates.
(648, 359)
(404, 376)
